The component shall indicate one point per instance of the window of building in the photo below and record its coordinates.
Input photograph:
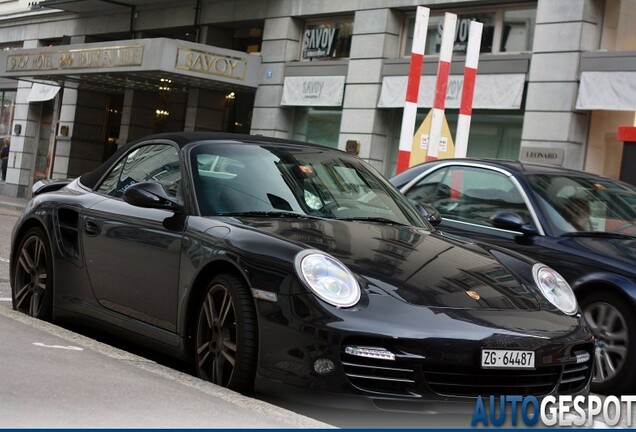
(493, 134)
(326, 39)
(317, 125)
(7, 106)
(518, 30)
(505, 30)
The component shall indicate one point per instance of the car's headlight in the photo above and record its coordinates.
(328, 278)
(555, 288)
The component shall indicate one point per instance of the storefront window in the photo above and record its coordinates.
(7, 99)
(326, 40)
(317, 125)
(504, 30)
(493, 134)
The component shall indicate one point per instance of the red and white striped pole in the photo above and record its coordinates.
(468, 89)
(413, 88)
(443, 72)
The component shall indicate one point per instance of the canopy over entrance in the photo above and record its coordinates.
(146, 64)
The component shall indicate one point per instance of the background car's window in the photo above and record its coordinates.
(470, 194)
(157, 162)
(581, 204)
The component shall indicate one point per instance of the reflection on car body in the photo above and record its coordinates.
(296, 265)
(581, 224)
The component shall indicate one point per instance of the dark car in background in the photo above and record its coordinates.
(297, 264)
(581, 224)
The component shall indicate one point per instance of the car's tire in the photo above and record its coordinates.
(226, 335)
(32, 290)
(614, 326)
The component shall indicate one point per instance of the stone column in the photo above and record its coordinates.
(26, 118)
(375, 37)
(563, 30)
(281, 43)
(67, 120)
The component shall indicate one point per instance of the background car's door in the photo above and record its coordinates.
(132, 254)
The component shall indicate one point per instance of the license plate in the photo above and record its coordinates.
(507, 359)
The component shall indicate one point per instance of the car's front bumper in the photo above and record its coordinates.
(437, 363)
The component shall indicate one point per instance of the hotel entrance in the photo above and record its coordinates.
(111, 93)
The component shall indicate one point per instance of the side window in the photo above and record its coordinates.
(471, 194)
(431, 188)
(156, 162)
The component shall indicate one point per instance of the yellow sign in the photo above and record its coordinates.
(420, 142)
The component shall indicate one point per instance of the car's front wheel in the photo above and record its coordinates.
(613, 325)
(32, 290)
(226, 335)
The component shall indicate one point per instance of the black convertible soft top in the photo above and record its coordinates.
(91, 178)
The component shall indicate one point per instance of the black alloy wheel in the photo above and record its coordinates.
(226, 335)
(32, 290)
(613, 325)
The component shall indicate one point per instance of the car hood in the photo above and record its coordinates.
(412, 264)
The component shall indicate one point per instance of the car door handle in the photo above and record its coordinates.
(92, 228)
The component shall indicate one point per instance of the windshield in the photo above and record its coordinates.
(585, 204)
(236, 178)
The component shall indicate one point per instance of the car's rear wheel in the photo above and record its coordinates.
(32, 290)
(226, 335)
(613, 325)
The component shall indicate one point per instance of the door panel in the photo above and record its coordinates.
(133, 261)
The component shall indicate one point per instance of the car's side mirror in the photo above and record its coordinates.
(429, 212)
(512, 222)
(150, 195)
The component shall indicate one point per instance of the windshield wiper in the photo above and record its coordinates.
(281, 214)
(370, 219)
(598, 234)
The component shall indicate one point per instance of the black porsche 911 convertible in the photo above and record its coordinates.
(256, 258)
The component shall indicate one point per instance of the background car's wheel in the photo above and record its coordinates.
(32, 291)
(613, 324)
(226, 335)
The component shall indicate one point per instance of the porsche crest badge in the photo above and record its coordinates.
(473, 295)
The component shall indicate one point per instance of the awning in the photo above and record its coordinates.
(494, 91)
(313, 91)
(137, 63)
(42, 92)
(612, 91)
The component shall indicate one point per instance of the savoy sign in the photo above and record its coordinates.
(319, 42)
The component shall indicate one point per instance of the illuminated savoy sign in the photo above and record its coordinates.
(47, 60)
(319, 42)
(211, 63)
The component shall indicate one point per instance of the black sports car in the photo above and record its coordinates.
(295, 264)
(581, 224)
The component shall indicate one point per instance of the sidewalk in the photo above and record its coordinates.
(9, 201)
(54, 378)
(13, 202)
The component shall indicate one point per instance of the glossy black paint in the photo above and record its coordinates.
(583, 261)
(140, 273)
(591, 263)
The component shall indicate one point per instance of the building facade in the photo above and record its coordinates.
(80, 77)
